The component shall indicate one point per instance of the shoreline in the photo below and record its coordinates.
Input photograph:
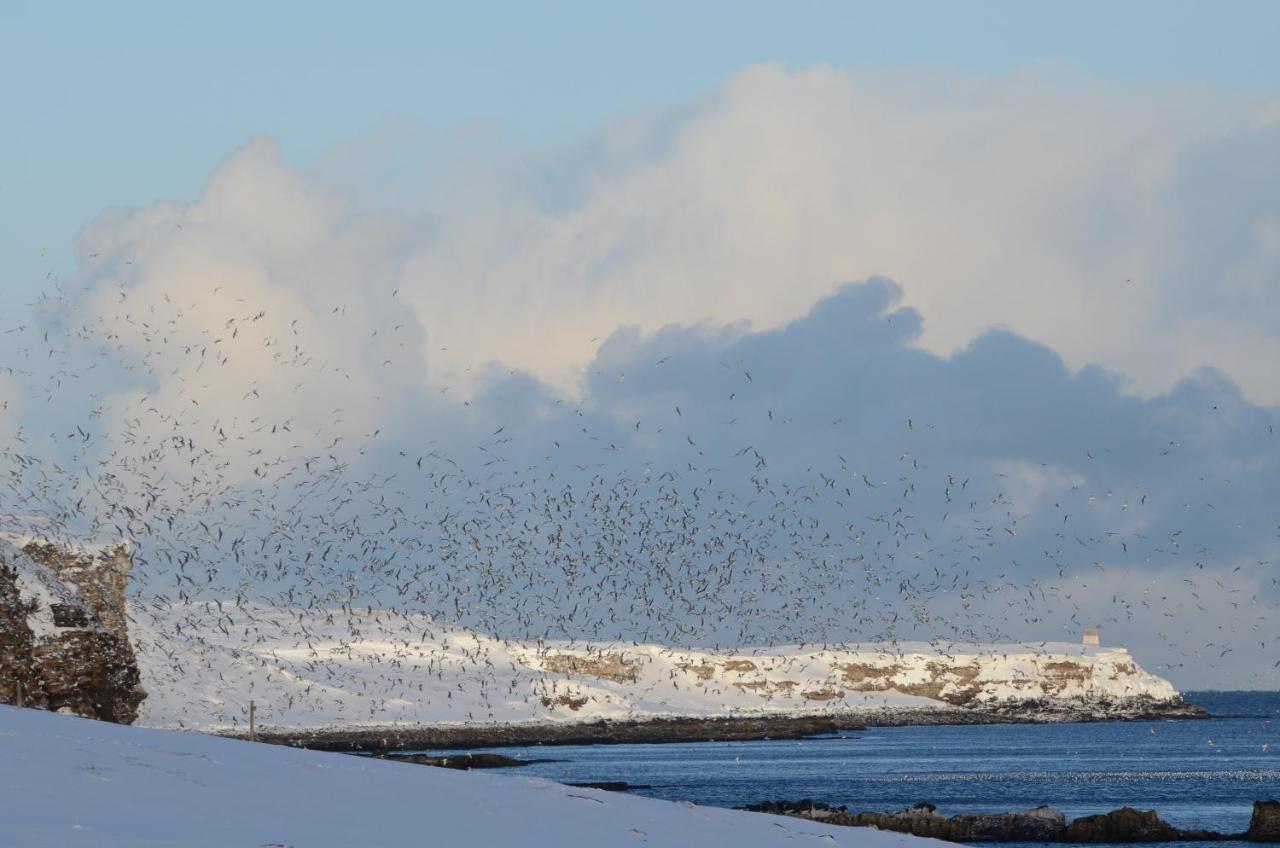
(684, 729)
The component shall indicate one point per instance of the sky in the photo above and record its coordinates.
(128, 104)
(778, 254)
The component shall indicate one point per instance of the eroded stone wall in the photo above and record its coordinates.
(64, 641)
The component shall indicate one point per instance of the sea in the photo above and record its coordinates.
(1195, 773)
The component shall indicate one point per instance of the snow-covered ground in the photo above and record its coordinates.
(68, 782)
(201, 664)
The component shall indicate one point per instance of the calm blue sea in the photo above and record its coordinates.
(1195, 773)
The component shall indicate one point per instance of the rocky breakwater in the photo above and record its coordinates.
(1042, 824)
(64, 641)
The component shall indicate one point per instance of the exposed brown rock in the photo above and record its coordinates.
(69, 615)
(1056, 676)
(1042, 824)
(955, 685)
(91, 673)
(102, 578)
(1123, 825)
(86, 665)
(1265, 824)
(615, 667)
(878, 676)
(19, 679)
(739, 665)
(569, 701)
(705, 671)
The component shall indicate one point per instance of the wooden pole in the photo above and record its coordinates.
(18, 701)
(253, 726)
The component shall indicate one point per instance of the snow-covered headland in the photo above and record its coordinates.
(318, 671)
(351, 669)
(69, 782)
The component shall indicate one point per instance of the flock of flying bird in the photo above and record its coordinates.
(576, 523)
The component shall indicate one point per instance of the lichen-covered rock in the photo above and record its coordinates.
(1265, 824)
(64, 642)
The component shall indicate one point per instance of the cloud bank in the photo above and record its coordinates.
(632, 370)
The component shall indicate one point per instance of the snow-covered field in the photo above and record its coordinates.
(68, 782)
(201, 664)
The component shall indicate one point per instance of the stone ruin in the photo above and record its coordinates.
(64, 640)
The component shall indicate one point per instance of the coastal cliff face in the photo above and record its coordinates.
(1013, 679)
(64, 641)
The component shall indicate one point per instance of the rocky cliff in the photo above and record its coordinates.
(64, 641)
(1042, 682)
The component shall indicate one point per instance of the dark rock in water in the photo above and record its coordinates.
(464, 762)
(610, 785)
(1042, 824)
(1265, 824)
(1123, 825)
(792, 808)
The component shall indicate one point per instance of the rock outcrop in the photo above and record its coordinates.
(64, 641)
(1127, 825)
(1265, 824)
(1042, 824)
(461, 762)
(1124, 825)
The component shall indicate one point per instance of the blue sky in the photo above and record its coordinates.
(122, 104)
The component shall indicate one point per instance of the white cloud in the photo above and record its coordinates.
(262, 305)
(1053, 206)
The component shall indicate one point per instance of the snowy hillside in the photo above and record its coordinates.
(69, 782)
(318, 668)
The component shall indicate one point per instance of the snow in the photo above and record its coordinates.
(38, 583)
(69, 782)
(201, 664)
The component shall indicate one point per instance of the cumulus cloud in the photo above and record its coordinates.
(263, 305)
(1092, 220)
